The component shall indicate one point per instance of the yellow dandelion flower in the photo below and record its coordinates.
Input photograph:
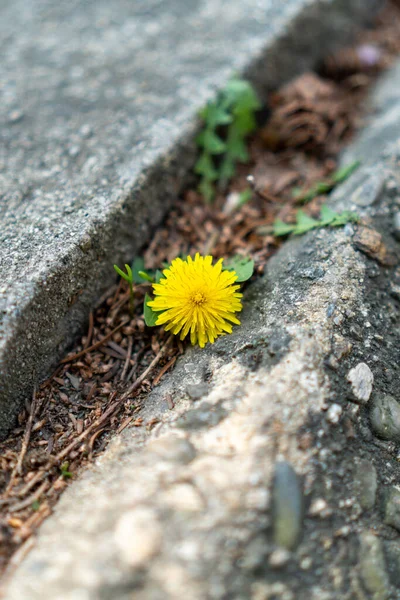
(198, 297)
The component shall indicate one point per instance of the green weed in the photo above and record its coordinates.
(233, 112)
(304, 223)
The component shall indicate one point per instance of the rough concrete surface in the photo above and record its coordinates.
(280, 480)
(97, 114)
(383, 120)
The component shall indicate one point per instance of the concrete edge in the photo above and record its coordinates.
(51, 319)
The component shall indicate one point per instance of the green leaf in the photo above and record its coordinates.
(241, 94)
(227, 170)
(242, 265)
(236, 146)
(322, 187)
(121, 273)
(345, 172)
(146, 276)
(245, 196)
(150, 316)
(280, 228)
(236, 107)
(35, 505)
(159, 275)
(137, 267)
(211, 142)
(129, 272)
(64, 471)
(327, 214)
(215, 114)
(304, 223)
(343, 218)
(207, 190)
(204, 166)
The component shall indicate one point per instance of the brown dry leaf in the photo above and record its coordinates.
(306, 113)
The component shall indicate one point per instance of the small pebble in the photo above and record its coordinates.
(138, 536)
(392, 551)
(394, 290)
(361, 379)
(343, 531)
(334, 413)
(391, 507)
(396, 225)
(15, 116)
(306, 563)
(73, 151)
(372, 567)
(369, 54)
(385, 418)
(196, 391)
(287, 506)
(365, 483)
(279, 558)
(320, 508)
(370, 190)
(175, 450)
(369, 241)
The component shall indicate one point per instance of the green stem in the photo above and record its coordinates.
(131, 300)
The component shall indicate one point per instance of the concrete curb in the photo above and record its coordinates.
(248, 488)
(73, 203)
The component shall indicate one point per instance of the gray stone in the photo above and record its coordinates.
(177, 450)
(197, 391)
(287, 506)
(361, 379)
(391, 507)
(372, 567)
(370, 188)
(396, 225)
(384, 124)
(205, 416)
(365, 483)
(98, 115)
(392, 553)
(385, 417)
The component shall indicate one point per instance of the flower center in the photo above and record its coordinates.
(198, 298)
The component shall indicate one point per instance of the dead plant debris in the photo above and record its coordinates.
(99, 388)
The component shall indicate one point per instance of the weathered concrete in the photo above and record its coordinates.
(97, 113)
(272, 485)
(383, 120)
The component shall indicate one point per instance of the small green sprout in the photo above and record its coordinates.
(136, 275)
(304, 223)
(146, 276)
(35, 505)
(64, 471)
(128, 276)
(234, 109)
(324, 187)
